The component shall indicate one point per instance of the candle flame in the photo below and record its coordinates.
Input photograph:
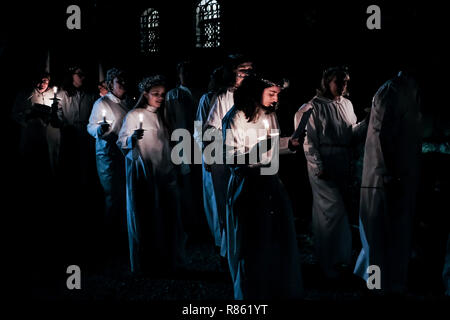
(55, 90)
(141, 117)
(103, 112)
(266, 124)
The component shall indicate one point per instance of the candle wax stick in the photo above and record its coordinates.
(141, 119)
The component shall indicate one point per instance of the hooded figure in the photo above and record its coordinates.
(262, 249)
(331, 128)
(390, 182)
(155, 232)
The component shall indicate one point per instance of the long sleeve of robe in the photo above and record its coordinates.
(155, 233)
(390, 182)
(331, 127)
(221, 104)
(262, 251)
(209, 198)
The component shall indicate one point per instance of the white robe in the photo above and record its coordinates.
(179, 112)
(209, 198)
(392, 151)
(77, 147)
(37, 133)
(180, 108)
(155, 233)
(76, 109)
(330, 129)
(220, 175)
(110, 161)
(262, 250)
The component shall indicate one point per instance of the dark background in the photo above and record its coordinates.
(296, 39)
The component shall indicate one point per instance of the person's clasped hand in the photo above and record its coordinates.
(104, 127)
(138, 134)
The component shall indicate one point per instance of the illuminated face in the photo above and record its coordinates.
(78, 78)
(241, 72)
(43, 84)
(270, 96)
(338, 86)
(155, 97)
(118, 87)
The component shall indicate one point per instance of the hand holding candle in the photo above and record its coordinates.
(139, 132)
(104, 125)
(55, 98)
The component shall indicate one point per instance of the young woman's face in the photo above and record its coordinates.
(155, 96)
(270, 96)
(338, 86)
(43, 84)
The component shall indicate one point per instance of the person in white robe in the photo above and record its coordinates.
(209, 198)
(236, 69)
(262, 250)
(77, 146)
(40, 138)
(330, 131)
(104, 125)
(390, 182)
(155, 232)
(179, 112)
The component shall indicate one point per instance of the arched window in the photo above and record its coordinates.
(208, 24)
(150, 31)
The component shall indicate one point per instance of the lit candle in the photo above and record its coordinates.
(141, 119)
(266, 125)
(104, 115)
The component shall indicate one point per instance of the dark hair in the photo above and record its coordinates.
(186, 69)
(111, 74)
(68, 79)
(146, 84)
(38, 77)
(216, 80)
(248, 96)
(340, 72)
(182, 65)
(229, 67)
(152, 81)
